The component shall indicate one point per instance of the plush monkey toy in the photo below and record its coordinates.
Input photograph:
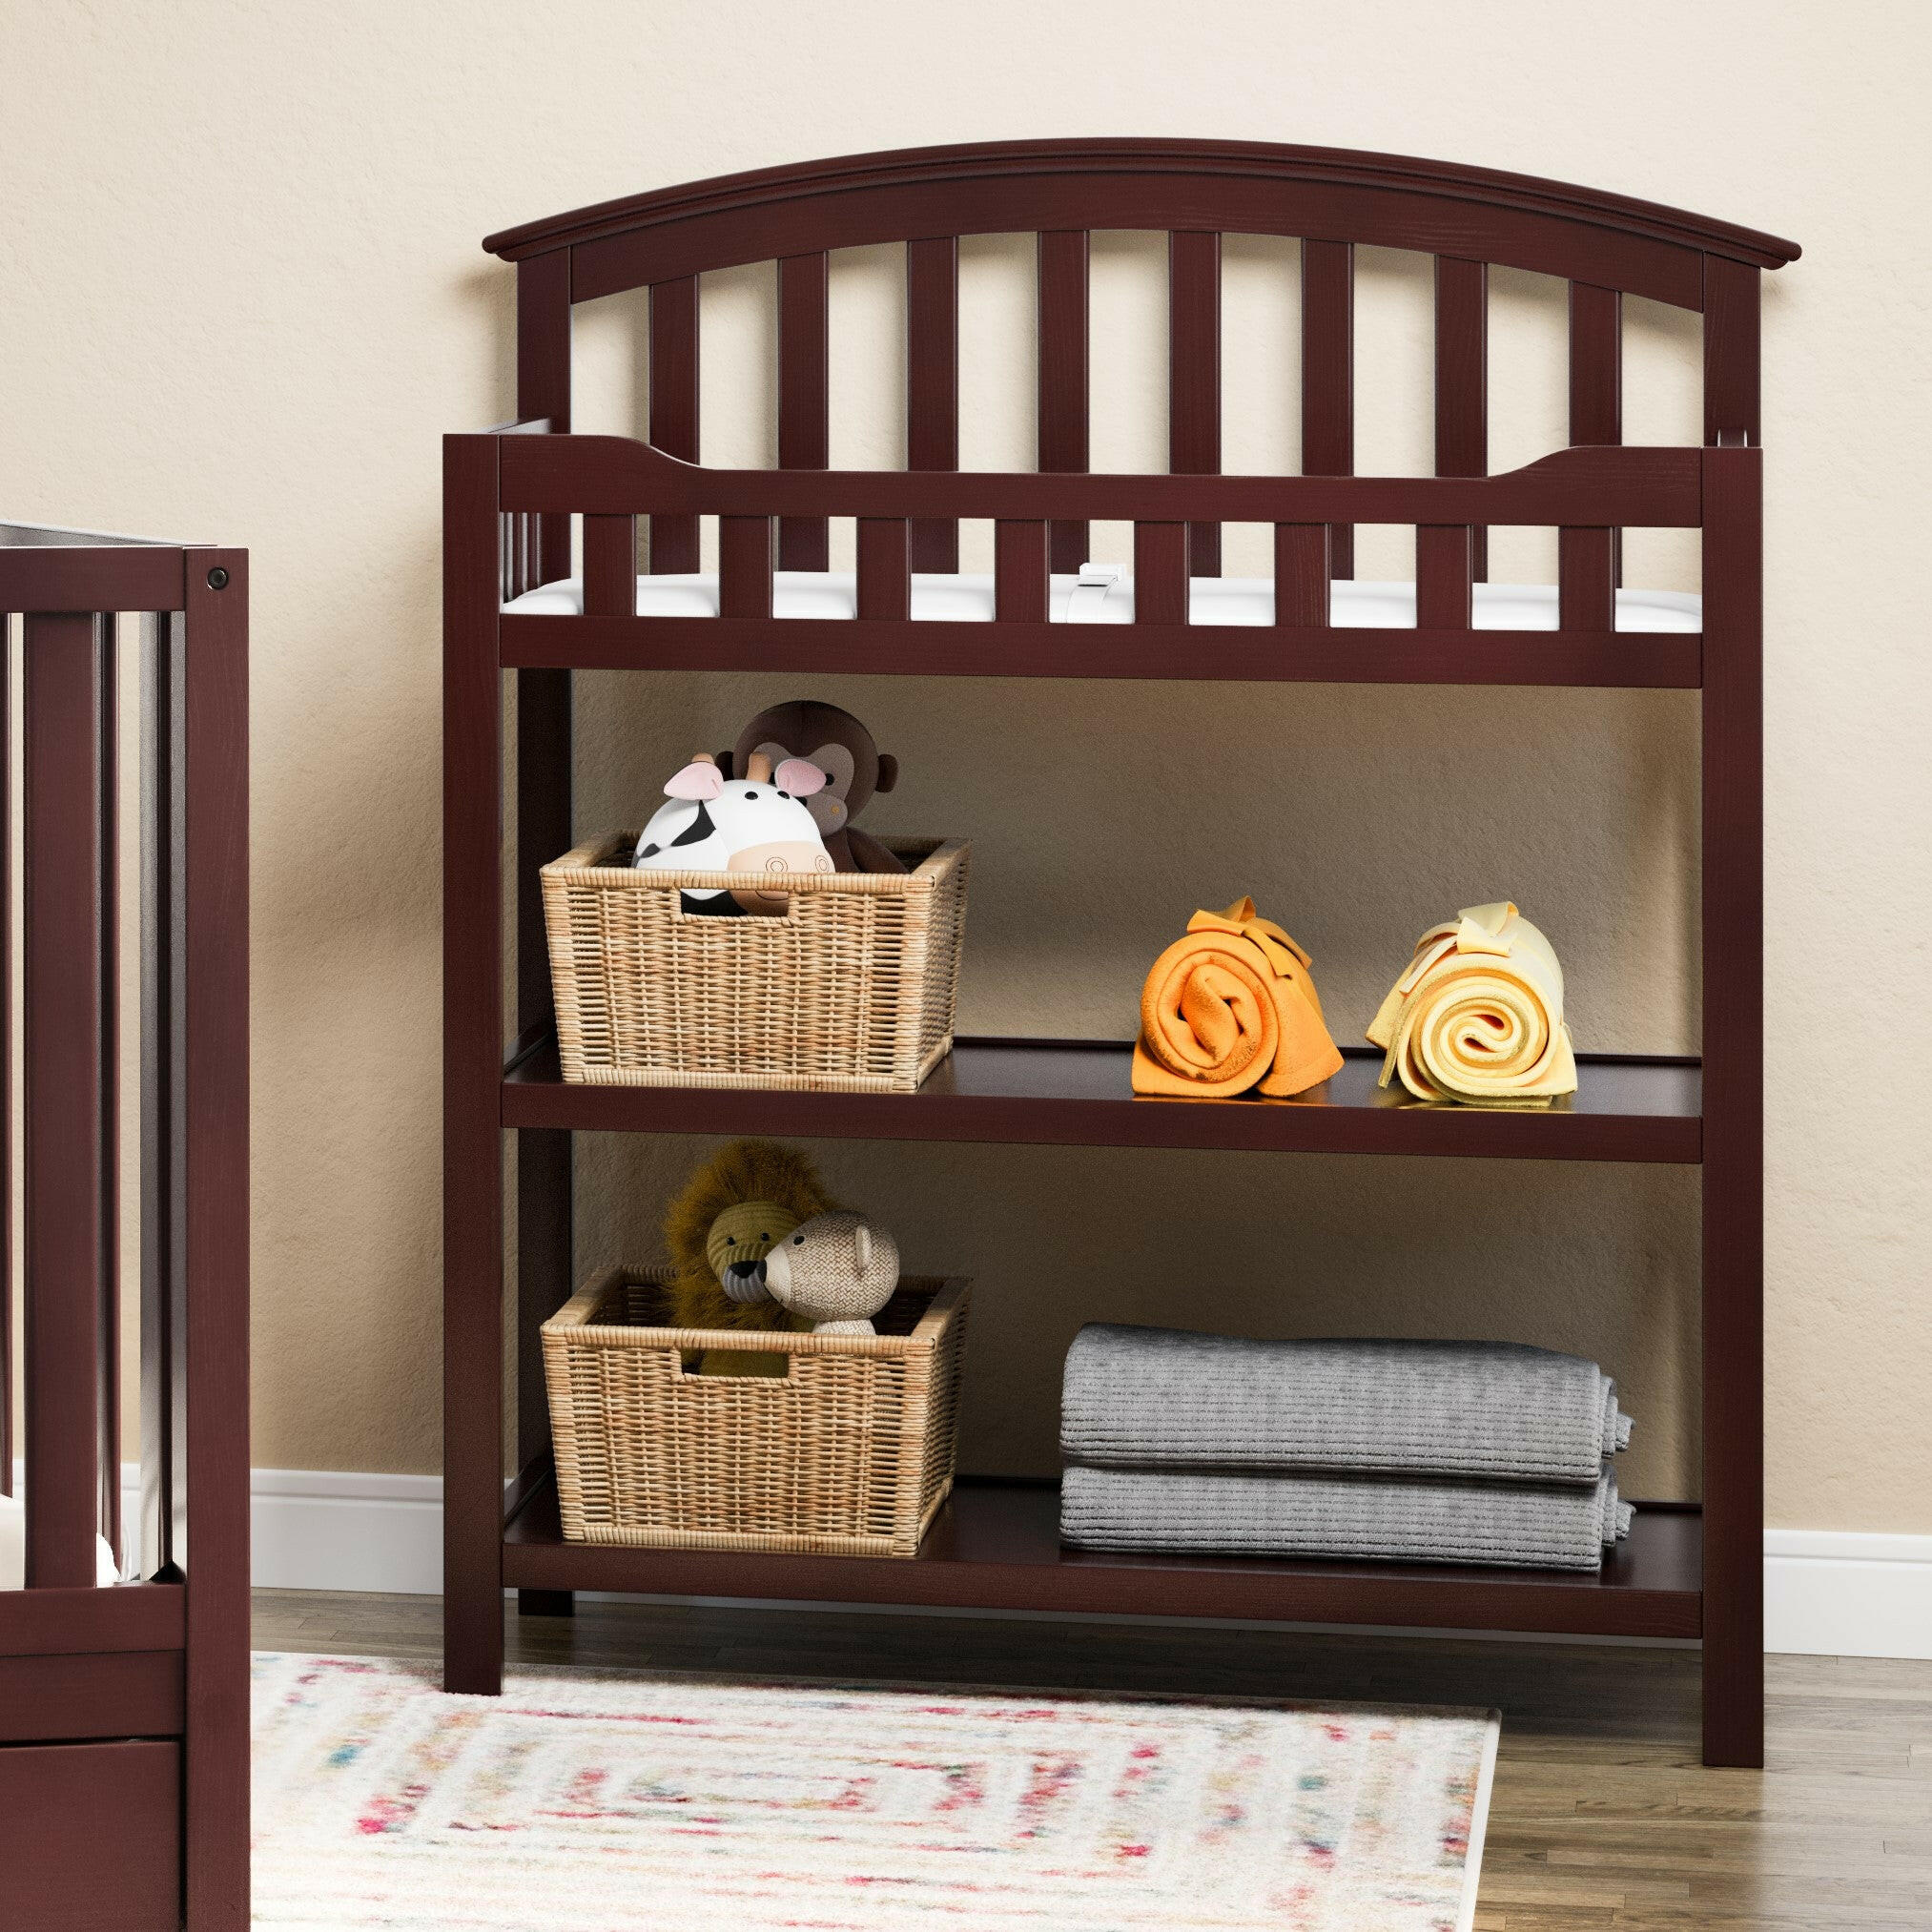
(855, 768)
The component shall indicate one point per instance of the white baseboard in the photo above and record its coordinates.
(1827, 1593)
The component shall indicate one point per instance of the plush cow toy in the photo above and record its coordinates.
(756, 824)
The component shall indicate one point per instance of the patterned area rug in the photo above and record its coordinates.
(604, 1803)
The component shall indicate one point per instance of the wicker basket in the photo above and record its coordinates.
(848, 1453)
(850, 991)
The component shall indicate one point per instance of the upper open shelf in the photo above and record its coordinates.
(1076, 1094)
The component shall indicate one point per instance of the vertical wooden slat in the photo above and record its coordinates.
(163, 1422)
(1160, 573)
(62, 1112)
(1445, 575)
(1731, 351)
(1597, 376)
(884, 562)
(1194, 376)
(1733, 912)
(933, 385)
(6, 1053)
(1462, 393)
(108, 1399)
(1328, 376)
(745, 567)
(544, 383)
(674, 409)
(1063, 377)
(1302, 575)
(1586, 580)
(804, 399)
(1021, 590)
(472, 1079)
(215, 1211)
(610, 569)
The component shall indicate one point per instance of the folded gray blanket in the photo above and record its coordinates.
(1243, 1514)
(1163, 1398)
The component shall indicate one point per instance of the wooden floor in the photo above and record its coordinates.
(1602, 1815)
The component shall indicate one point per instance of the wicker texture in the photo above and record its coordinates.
(849, 1453)
(850, 991)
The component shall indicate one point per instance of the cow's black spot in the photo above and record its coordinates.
(649, 852)
(698, 830)
(785, 794)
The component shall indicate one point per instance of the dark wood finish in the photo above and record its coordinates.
(90, 1838)
(610, 474)
(933, 385)
(609, 567)
(1462, 379)
(1303, 572)
(1328, 376)
(472, 1061)
(7, 1054)
(108, 1265)
(745, 567)
(1076, 1093)
(997, 1547)
(804, 399)
(123, 1693)
(1241, 652)
(1586, 580)
(1004, 188)
(1731, 352)
(1063, 381)
(543, 386)
(885, 589)
(674, 408)
(149, 1616)
(1444, 577)
(70, 578)
(1733, 768)
(1160, 589)
(1020, 586)
(63, 848)
(212, 1082)
(994, 1550)
(1194, 375)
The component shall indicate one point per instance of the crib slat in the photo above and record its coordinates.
(61, 1048)
(1462, 398)
(1731, 351)
(804, 400)
(7, 1053)
(745, 567)
(1328, 376)
(1194, 375)
(674, 408)
(1063, 375)
(884, 561)
(108, 1380)
(1020, 592)
(1445, 574)
(1301, 574)
(543, 390)
(1597, 375)
(933, 385)
(1160, 573)
(1586, 582)
(609, 567)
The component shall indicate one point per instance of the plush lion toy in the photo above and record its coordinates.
(732, 1213)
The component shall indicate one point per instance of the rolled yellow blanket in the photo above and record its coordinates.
(1478, 1015)
(1231, 1005)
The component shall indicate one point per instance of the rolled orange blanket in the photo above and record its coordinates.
(1229, 1006)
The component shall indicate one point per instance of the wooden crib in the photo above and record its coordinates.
(124, 1707)
(524, 502)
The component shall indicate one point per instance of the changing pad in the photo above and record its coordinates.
(968, 599)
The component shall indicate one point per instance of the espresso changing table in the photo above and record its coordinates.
(511, 496)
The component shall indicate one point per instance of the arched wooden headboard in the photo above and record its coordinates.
(1605, 246)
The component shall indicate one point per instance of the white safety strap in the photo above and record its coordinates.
(1089, 593)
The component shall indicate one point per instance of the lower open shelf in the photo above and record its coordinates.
(997, 1547)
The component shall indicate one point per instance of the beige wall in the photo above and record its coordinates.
(242, 299)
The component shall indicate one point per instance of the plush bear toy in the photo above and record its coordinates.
(836, 1271)
(837, 744)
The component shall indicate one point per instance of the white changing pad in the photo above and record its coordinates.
(968, 599)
